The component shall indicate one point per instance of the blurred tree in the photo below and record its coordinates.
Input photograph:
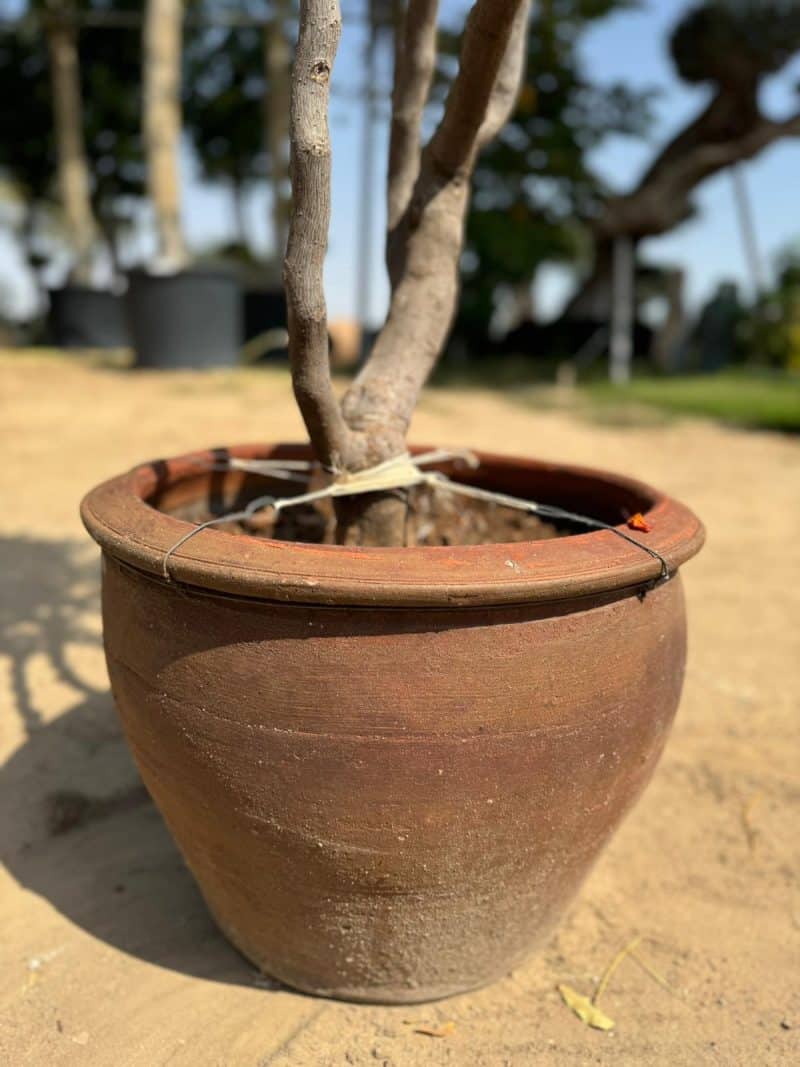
(535, 182)
(112, 101)
(236, 103)
(277, 69)
(224, 89)
(27, 147)
(109, 72)
(162, 56)
(72, 164)
(771, 330)
(731, 46)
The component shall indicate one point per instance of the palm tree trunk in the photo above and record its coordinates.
(162, 44)
(71, 162)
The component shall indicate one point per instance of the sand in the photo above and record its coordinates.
(108, 955)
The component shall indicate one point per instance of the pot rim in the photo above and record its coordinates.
(118, 516)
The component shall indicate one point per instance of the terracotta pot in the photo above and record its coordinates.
(390, 769)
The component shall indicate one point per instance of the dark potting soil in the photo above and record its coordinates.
(434, 517)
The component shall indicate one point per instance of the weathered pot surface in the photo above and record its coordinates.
(390, 769)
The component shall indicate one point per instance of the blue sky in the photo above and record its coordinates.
(631, 46)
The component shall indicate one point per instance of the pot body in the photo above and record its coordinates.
(189, 319)
(390, 804)
(80, 317)
(386, 802)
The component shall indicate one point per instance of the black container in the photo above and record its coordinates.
(80, 317)
(189, 319)
(264, 309)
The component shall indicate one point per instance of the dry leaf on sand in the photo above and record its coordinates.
(586, 1011)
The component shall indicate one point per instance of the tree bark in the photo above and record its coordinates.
(430, 234)
(414, 65)
(239, 213)
(371, 424)
(162, 46)
(365, 214)
(72, 165)
(318, 40)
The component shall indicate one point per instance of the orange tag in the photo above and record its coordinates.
(638, 522)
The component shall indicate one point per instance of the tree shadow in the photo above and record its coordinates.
(77, 825)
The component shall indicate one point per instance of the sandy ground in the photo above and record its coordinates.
(108, 956)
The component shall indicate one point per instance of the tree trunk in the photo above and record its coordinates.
(239, 213)
(277, 66)
(427, 210)
(108, 227)
(162, 45)
(71, 162)
(623, 311)
(365, 213)
(27, 240)
(747, 226)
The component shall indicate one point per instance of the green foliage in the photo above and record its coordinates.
(223, 101)
(110, 62)
(735, 42)
(27, 150)
(771, 331)
(111, 87)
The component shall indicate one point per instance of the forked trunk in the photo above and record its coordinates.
(72, 166)
(428, 194)
(162, 124)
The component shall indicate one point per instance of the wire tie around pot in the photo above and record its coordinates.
(546, 511)
(400, 472)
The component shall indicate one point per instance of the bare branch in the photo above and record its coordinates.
(508, 81)
(490, 54)
(415, 59)
(382, 399)
(663, 197)
(318, 39)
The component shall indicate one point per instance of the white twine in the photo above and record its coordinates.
(400, 472)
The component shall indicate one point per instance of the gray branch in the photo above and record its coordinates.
(318, 39)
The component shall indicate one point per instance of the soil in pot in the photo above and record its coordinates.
(81, 317)
(187, 320)
(390, 769)
(433, 517)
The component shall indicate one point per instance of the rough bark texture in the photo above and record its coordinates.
(73, 169)
(415, 60)
(730, 129)
(428, 193)
(382, 399)
(163, 33)
(318, 40)
(277, 66)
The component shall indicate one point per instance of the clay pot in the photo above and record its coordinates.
(390, 770)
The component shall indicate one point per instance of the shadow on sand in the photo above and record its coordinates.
(76, 824)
